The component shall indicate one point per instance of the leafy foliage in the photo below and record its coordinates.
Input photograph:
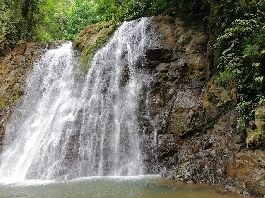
(242, 47)
(52, 20)
(10, 19)
(16, 21)
(47, 20)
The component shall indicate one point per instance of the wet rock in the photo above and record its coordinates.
(167, 143)
(247, 169)
(125, 76)
(192, 116)
(178, 63)
(159, 55)
(14, 67)
(54, 44)
(204, 158)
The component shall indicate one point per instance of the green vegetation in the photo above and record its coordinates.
(241, 55)
(48, 20)
(16, 21)
(63, 19)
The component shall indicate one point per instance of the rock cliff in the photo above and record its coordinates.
(194, 118)
(187, 120)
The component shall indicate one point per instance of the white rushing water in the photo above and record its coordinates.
(66, 127)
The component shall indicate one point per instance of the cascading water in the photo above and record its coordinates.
(69, 127)
(110, 101)
(39, 131)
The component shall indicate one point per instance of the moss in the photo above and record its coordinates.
(2, 104)
(10, 99)
(217, 101)
(219, 95)
(91, 39)
(255, 137)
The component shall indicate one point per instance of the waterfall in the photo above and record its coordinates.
(70, 126)
(38, 133)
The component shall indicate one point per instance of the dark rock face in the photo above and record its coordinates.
(14, 68)
(190, 134)
(204, 158)
(178, 64)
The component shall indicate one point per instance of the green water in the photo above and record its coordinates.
(111, 188)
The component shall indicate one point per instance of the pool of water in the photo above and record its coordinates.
(110, 187)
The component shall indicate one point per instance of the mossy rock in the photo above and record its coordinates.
(219, 95)
(260, 118)
(256, 137)
(91, 39)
